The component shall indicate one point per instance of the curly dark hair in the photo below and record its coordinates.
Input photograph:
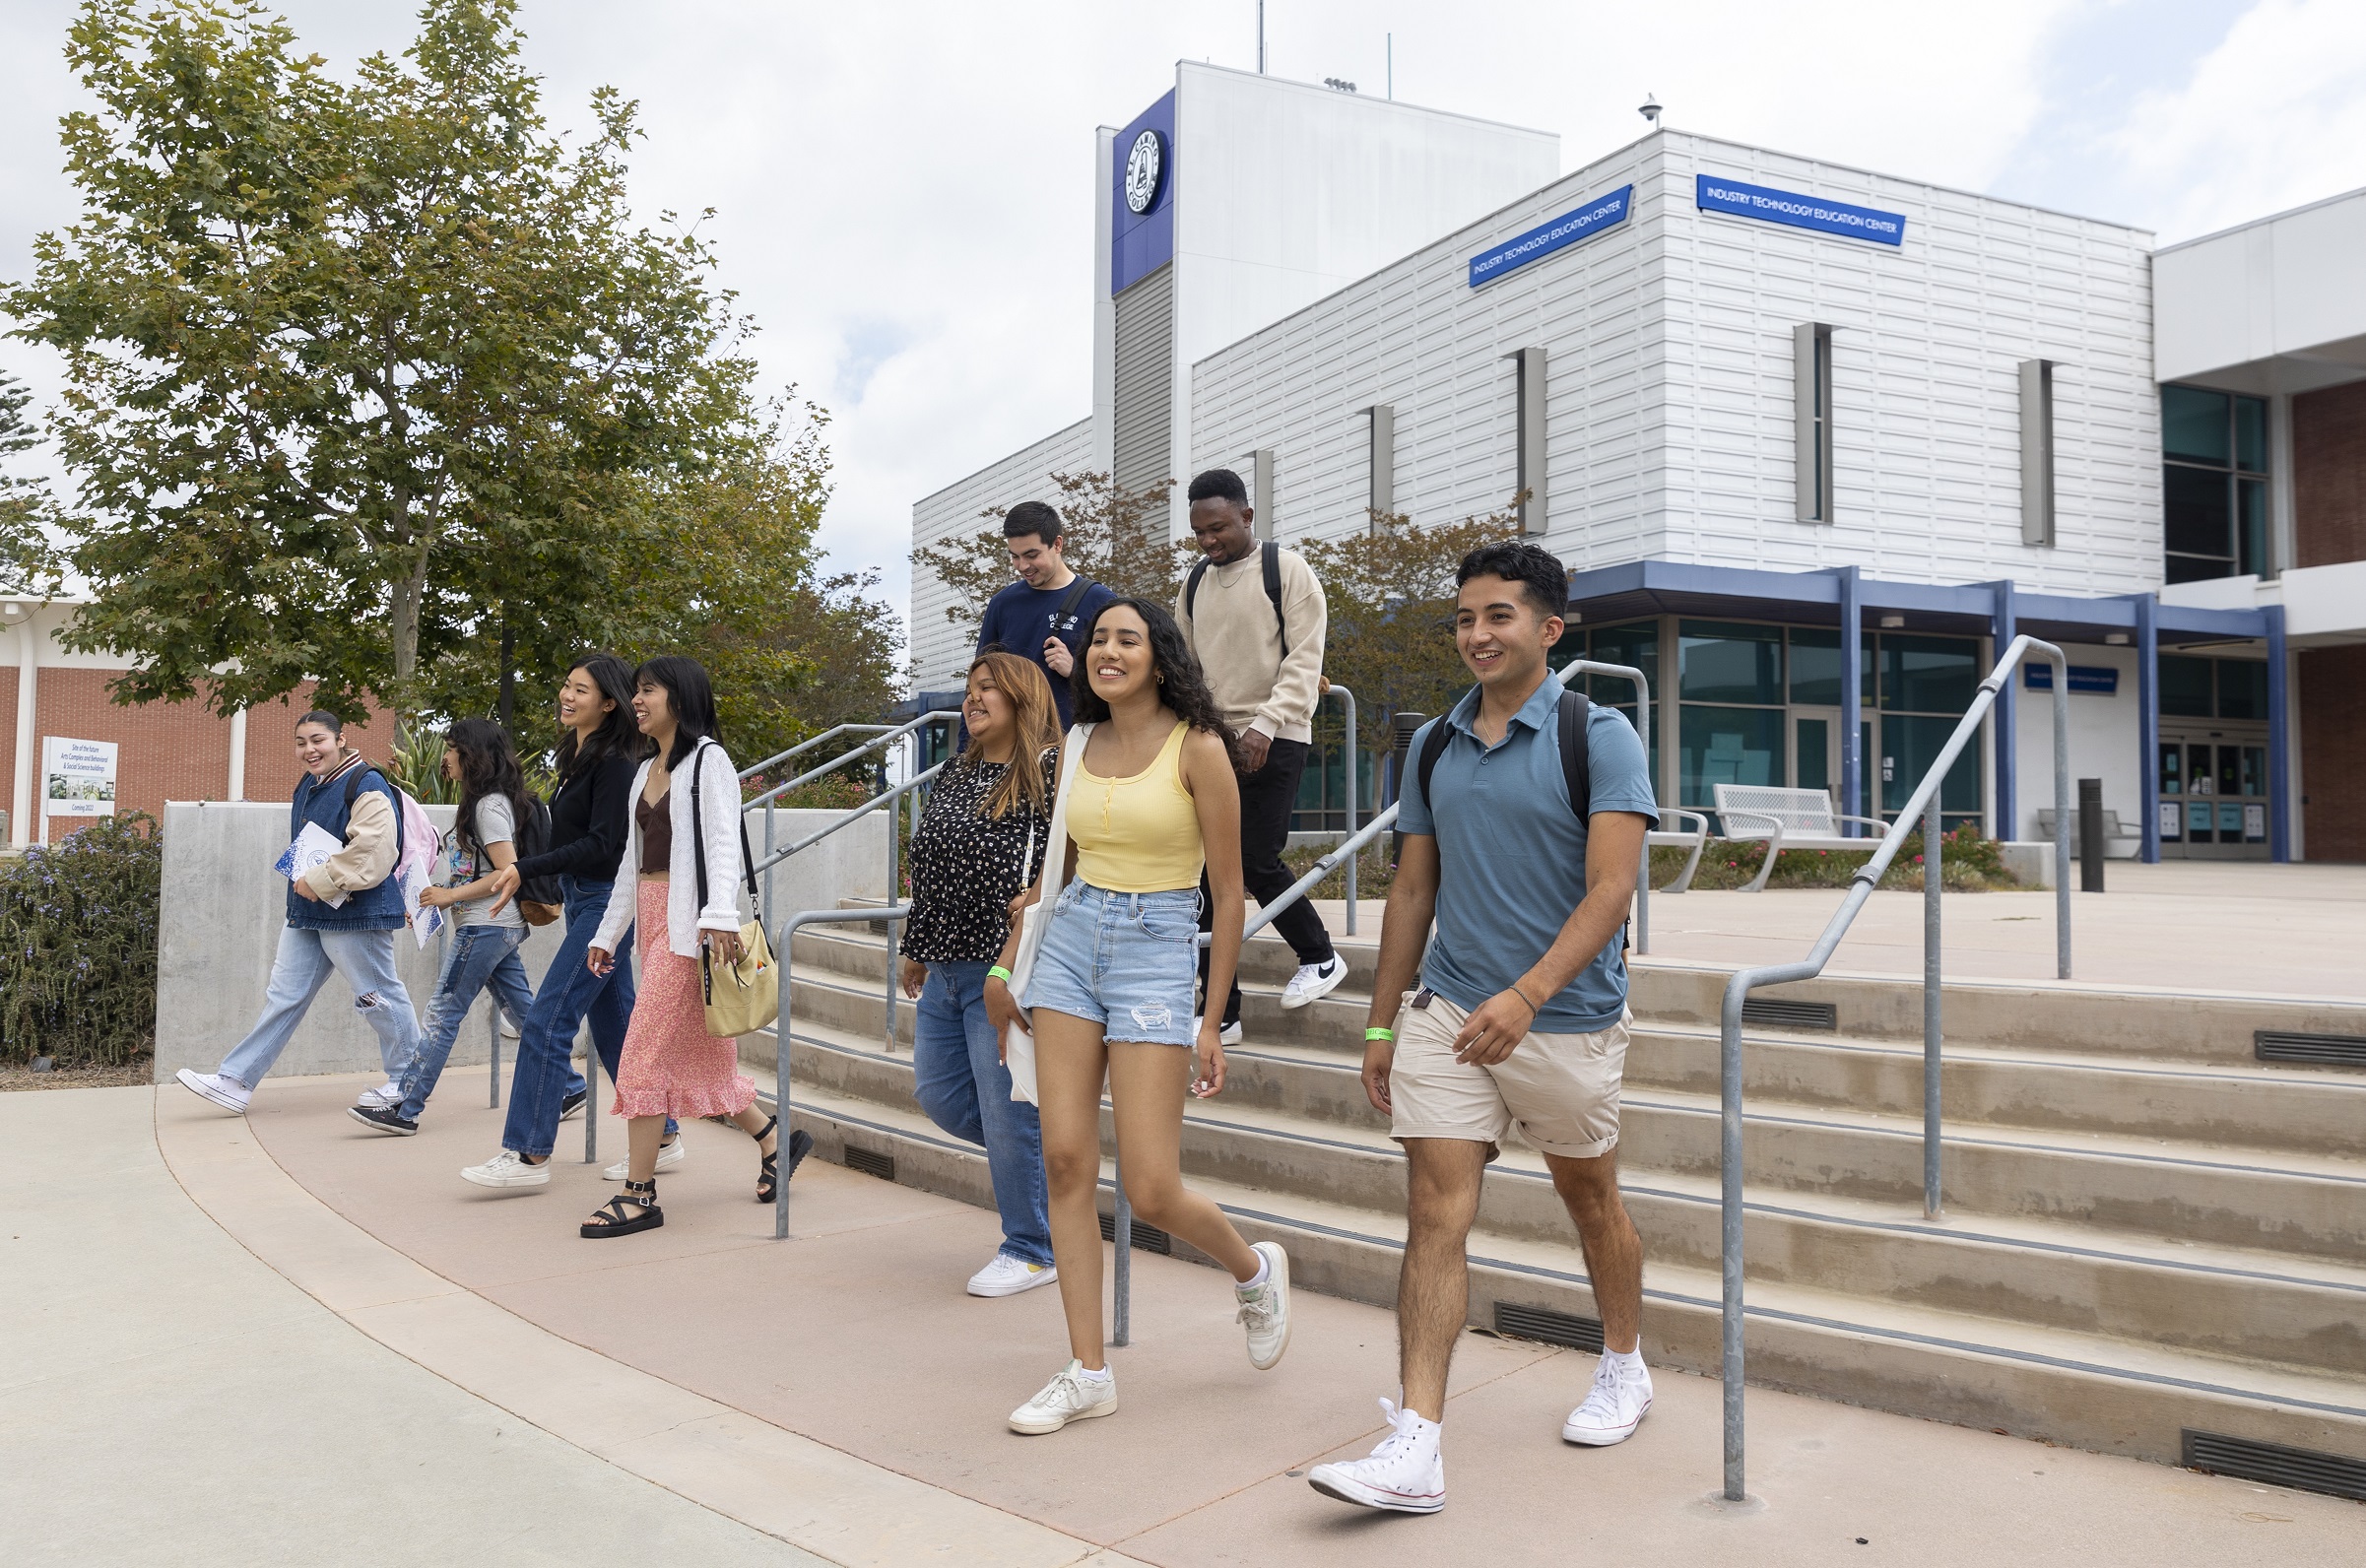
(1185, 688)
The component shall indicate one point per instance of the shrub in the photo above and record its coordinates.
(78, 940)
(1968, 863)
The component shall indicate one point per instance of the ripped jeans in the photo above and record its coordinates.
(305, 963)
(1129, 962)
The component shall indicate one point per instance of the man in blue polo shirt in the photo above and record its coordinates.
(1520, 1014)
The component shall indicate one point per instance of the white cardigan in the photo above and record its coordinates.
(719, 805)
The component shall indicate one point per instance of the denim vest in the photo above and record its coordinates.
(378, 908)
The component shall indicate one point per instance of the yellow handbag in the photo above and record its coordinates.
(744, 997)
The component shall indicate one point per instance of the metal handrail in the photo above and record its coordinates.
(781, 1035)
(832, 733)
(1924, 808)
(1347, 699)
(1628, 672)
(844, 758)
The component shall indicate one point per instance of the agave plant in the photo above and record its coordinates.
(417, 764)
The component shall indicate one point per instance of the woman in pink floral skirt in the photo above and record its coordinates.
(686, 804)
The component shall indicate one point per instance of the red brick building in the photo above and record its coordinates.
(166, 751)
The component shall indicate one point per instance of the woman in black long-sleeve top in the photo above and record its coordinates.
(597, 760)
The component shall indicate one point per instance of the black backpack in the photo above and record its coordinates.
(540, 899)
(1576, 768)
(1272, 571)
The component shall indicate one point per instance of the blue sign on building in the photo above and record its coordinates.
(1714, 194)
(1583, 223)
(1142, 239)
(2101, 679)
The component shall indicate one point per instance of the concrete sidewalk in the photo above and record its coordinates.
(856, 1337)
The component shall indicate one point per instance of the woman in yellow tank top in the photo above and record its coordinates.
(1112, 990)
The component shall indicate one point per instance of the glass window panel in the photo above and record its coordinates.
(1727, 746)
(2172, 769)
(2193, 423)
(1912, 744)
(2255, 770)
(2241, 689)
(1813, 768)
(1927, 675)
(2198, 511)
(2185, 685)
(2198, 568)
(2250, 434)
(2251, 526)
(2231, 822)
(1724, 662)
(2230, 770)
(1636, 643)
(1815, 666)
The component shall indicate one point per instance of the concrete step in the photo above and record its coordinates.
(2040, 1271)
(2091, 1389)
(2291, 1202)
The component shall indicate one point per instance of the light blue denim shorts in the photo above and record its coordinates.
(1128, 961)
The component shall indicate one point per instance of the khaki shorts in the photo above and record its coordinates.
(1561, 1089)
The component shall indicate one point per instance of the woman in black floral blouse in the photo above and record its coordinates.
(980, 844)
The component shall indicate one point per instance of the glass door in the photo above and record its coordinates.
(2214, 794)
(1816, 752)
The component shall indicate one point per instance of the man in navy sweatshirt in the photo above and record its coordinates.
(1042, 615)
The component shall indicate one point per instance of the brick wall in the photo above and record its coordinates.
(271, 766)
(2328, 477)
(2333, 751)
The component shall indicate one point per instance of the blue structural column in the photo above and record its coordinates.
(2279, 761)
(2005, 627)
(2147, 724)
(1852, 698)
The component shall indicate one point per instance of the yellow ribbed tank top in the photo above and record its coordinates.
(1139, 834)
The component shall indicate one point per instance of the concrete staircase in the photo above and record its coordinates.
(2148, 1231)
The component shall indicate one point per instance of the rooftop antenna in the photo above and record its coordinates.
(1651, 108)
(1261, 38)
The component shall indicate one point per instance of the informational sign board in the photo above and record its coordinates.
(78, 777)
(1798, 210)
(2100, 678)
(1580, 223)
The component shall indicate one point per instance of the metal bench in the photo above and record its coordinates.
(1787, 818)
(1671, 838)
(2120, 841)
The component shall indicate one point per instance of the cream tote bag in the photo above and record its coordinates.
(1019, 1046)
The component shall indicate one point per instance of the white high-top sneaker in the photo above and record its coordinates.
(1405, 1475)
(1614, 1406)
(1069, 1396)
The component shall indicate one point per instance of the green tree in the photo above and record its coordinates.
(1114, 536)
(27, 556)
(357, 370)
(1390, 597)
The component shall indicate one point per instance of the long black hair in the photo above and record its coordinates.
(616, 734)
(487, 767)
(1182, 684)
(691, 694)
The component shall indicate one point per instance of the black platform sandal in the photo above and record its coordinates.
(767, 1178)
(642, 1195)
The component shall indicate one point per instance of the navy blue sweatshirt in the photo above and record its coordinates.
(1020, 618)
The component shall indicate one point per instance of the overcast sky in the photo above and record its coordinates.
(903, 192)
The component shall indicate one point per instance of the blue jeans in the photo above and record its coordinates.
(478, 957)
(961, 1083)
(303, 966)
(571, 995)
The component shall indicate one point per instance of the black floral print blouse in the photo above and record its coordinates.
(966, 865)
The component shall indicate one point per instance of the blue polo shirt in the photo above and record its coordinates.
(1512, 854)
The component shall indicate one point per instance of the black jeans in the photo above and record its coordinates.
(1267, 798)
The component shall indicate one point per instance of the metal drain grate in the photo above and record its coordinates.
(2247, 1459)
(1150, 1238)
(1554, 1328)
(2318, 1050)
(1778, 1014)
(871, 1164)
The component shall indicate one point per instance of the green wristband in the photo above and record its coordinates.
(997, 972)
(1378, 1033)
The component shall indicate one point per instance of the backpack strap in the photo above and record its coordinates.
(1576, 765)
(1271, 567)
(698, 833)
(1191, 587)
(1433, 746)
(353, 792)
(1076, 592)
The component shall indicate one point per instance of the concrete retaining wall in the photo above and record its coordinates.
(223, 907)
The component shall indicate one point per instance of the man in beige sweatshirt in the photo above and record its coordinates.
(1254, 615)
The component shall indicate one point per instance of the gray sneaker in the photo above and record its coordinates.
(1264, 1308)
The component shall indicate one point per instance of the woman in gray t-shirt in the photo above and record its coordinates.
(483, 949)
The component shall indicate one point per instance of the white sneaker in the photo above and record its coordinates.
(228, 1093)
(1616, 1406)
(1264, 1308)
(509, 1169)
(1006, 1275)
(1406, 1473)
(1068, 1397)
(385, 1097)
(669, 1155)
(508, 1027)
(1314, 980)
(1229, 1034)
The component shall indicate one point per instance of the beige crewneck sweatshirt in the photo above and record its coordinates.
(1232, 632)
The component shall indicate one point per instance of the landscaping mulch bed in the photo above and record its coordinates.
(15, 1076)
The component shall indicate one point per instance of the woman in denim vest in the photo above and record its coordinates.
(341, 916)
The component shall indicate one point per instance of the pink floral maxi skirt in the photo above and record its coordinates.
(671, 1066)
